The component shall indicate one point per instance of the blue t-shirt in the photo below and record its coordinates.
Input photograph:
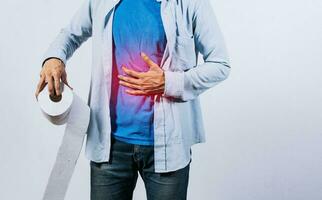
(137, 27)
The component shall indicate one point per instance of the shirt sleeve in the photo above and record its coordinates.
(210, 43)
(73, 35)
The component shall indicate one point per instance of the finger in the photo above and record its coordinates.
(129, 79)
(40, 86)
(64, 80)
(133, 86)
(148, 60)
(132, 72)
(145, 92)
(57, 84)
(50, 82)
(136, 92)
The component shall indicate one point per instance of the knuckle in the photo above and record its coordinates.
(56, 74)
(48, 74)
(60, 71)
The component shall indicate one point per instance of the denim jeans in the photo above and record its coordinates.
(116, 179)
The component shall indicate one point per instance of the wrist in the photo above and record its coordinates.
(53, 60)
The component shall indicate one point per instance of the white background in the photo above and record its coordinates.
(264, 132)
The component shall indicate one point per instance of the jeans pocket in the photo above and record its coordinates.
(96, 165)
(93, 164)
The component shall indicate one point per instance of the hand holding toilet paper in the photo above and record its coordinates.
(71, 110)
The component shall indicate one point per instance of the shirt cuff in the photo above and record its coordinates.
(59, 55)
(174, 84)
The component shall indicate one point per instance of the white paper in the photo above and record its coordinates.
(75, 113)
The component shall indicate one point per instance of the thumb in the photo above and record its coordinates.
(149, 62)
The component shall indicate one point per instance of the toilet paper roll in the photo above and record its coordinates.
(66, 109)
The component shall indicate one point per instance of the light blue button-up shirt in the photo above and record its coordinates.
(191, 28)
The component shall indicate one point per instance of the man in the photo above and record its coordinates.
(145, 87)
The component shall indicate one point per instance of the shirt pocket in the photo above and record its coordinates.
(184, 53)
